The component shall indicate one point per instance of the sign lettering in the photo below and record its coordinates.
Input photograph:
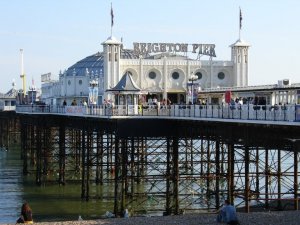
(144, 48)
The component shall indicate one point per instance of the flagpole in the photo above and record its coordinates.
(240, 24)
(112, 19)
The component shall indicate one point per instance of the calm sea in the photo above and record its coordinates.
(52, 202)
(48, 203)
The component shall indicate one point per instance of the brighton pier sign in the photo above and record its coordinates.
(203, 49)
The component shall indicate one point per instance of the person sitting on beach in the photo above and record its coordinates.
(26, 214)
(228, 214)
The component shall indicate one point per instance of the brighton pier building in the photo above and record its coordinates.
(156, 70)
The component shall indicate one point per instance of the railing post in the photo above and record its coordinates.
(174, 110)
(248, 110)
(284, 110)
(295, 112)
(240, 108)
(200, 109)
(256, 111)
(228, 111)
(266, 111)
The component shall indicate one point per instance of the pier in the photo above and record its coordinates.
(162, 163)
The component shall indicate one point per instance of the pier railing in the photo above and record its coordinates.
(241, 112)
(7, 108)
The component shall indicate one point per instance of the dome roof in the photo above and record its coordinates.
(128, 54)
(94, 63)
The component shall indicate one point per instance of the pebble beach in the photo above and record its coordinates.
(261, 218)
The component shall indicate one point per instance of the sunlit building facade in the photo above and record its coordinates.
(160, 70)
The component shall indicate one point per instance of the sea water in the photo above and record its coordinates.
(49, 202)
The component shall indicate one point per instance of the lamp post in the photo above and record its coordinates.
(93, 95)
(193, 78)
(32, 89)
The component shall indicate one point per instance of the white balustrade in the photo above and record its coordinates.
(241, 112)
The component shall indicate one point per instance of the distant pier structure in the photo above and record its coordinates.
(9, 129)
(167, 165)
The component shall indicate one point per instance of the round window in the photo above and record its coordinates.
(69, 82)
(80, 82)
(221, 75)
(152, 75)
(199, 75)
(175, 75)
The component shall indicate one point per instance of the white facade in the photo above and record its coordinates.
(163, 75)
(8, 100)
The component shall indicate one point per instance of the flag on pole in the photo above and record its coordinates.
(112, 16)
(241, 18)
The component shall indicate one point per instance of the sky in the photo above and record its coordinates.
(55, 34)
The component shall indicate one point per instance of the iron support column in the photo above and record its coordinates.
(83, 162)
(38, 157)
(247, 191)
(117, 171)
(168, 179)
(267, 178)
(24, 149)
(230, 173)
(296, 203)
(175, 175)
(217, 194)
(279, 206)
(62, 155)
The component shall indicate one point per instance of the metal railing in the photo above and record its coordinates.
(7, 108)
(241, 112)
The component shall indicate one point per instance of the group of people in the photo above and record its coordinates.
(74, 103)
(227, 214)
(154, 101)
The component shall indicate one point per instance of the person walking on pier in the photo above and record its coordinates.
(26, 214)
(74, 103)
(228, 214)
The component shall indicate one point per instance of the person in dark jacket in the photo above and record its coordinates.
(26, 214)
